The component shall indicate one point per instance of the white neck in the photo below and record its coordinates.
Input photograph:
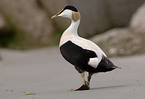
(72, 30)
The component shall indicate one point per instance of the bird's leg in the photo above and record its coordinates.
(83, 78)
(84, 85)
(89, 78)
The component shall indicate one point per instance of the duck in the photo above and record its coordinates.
(83, 54)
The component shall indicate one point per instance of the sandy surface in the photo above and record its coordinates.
(43, 74)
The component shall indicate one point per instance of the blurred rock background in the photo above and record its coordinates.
(117, 26)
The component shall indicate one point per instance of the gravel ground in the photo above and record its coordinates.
(43, 74)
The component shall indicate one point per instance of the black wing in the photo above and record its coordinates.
(75, 54)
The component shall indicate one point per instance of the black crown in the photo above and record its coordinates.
(71, 8)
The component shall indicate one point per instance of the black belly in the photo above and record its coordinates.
(79, 57)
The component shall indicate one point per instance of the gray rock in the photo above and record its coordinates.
(32, 24)
(34, 27)
(123, 41)
(96, 15)
(2, 22)
(137, 23)
(52, 7)
(121, 11)
(4, 27)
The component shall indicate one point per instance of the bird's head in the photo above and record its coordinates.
(68, 12)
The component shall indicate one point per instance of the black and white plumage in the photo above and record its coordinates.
(84, 54)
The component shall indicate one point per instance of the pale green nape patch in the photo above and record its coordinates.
(75, 16)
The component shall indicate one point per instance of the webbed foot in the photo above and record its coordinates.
(82, 87)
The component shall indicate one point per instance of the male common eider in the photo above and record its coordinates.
(84, 54)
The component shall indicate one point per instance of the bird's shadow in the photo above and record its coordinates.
(108, 87)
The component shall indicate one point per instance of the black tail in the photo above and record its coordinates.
(110, 64)
(106, 65)
(116, 67)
